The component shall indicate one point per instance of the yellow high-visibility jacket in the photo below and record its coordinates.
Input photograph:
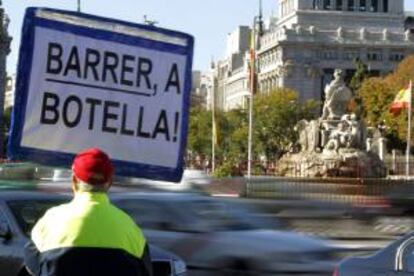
(88, 236)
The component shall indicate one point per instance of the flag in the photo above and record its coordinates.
(215, 132)
(252, 56)
(215, 128)
(402, 100)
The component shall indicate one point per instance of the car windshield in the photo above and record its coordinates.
(28, 212)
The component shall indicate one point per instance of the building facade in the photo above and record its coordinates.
(231, 74)
(314, 37)
(310, 38)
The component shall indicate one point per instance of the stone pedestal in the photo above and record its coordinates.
(344, 163)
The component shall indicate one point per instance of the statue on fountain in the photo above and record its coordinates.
(337, 97)
(336, 142)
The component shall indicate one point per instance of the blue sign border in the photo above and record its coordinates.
(53, 158)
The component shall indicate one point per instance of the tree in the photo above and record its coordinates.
(360, 75)
(199, 133)
(276, 115)
(377, 95)
(6, 127)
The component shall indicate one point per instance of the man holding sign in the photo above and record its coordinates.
(86, 81)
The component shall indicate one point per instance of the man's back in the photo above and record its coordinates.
(89, 220)
(88, 236)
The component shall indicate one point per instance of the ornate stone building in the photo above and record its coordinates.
(230, 75)
(313, 37)
(310, 38)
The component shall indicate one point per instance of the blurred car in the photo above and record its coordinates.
(19, 211)
(192, 179)
(394, 260)
(218, 237)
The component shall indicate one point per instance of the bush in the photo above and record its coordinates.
(227, 169)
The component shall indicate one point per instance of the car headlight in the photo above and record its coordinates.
(179, 267)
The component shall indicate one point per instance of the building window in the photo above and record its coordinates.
(339, 5)
(374, 6)
(374, 56)
(396, 57)
(385, 5)
(351, 55)
(362, 5)
(326, 4)
(351, 5)
(330, 55)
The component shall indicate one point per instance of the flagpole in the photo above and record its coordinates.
(79, 5)
(407, 157)
(252, 86)
(213, 132)
(257, 23)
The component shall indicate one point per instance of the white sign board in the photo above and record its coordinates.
(85, 81)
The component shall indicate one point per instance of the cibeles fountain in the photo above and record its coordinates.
(337, 144)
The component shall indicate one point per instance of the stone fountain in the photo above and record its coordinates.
(337, 143)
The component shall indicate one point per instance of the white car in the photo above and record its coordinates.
(217, 237)
(191, 179)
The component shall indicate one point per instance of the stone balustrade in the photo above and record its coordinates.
(343, 35)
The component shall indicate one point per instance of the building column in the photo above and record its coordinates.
(380, 5)
(344, 5)
(368, 7)
(333, 5)
(319, 4)
(356, 5)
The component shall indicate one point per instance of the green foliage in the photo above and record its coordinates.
(199, 135)
(360, 75)
(7, 118)
(378, 94)
(274, 118)
(6, 127)
(275, 115)
(235, 134)
(226, 169)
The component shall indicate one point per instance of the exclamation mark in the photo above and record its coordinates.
(177, 114)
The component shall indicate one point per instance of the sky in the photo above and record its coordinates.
(209, 21)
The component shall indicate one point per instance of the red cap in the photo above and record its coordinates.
(93, 166)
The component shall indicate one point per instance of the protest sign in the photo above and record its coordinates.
(86, 81)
